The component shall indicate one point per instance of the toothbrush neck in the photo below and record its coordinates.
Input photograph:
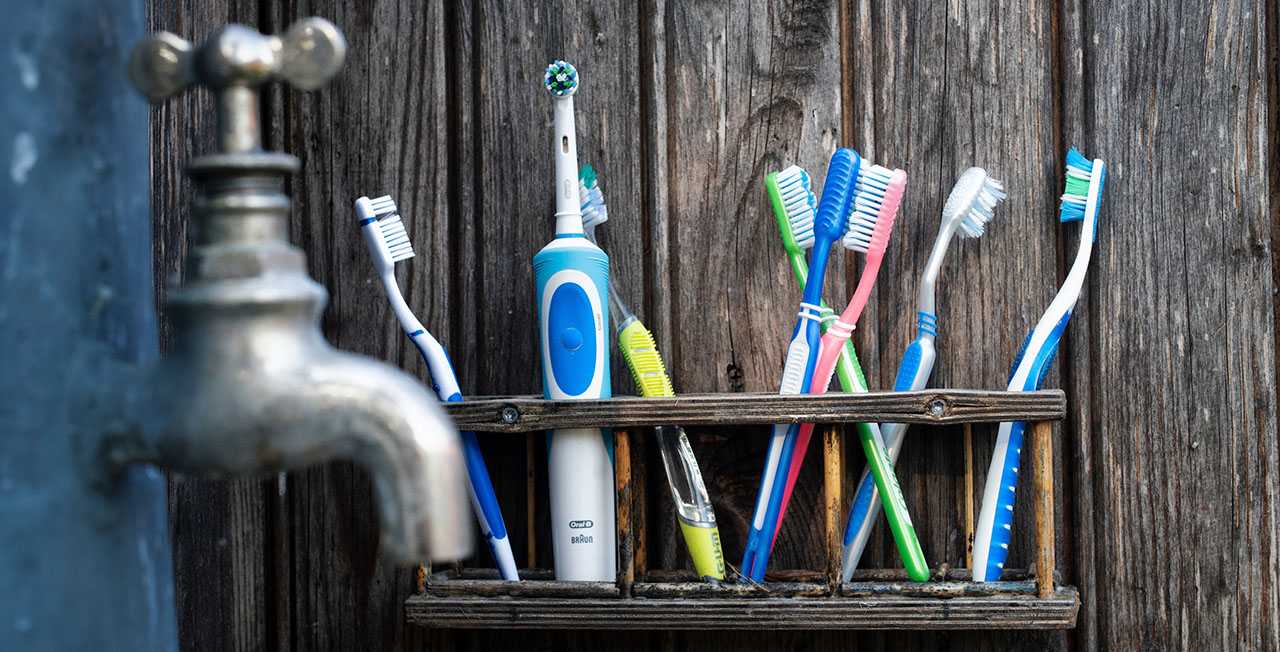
(569, 225)
(817, 270)
(934, 266)
(568, 201)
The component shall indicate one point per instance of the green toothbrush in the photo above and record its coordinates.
(693, 506)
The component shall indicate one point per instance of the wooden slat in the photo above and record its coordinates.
(833, 496)
(986, 612)
(739, 90)
(226, 590)
(949, 86)
(967, 495)
(625, 534)
(936, 407)
(1042, 497)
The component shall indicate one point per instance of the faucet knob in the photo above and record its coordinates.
(235, 61)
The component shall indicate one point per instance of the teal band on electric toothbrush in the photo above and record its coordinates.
(572, 277)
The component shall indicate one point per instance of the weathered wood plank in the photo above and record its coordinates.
(777, 614)
(1180, 309)
(934, 407)
(1042, 498)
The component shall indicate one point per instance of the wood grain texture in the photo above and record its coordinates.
(743, 89)
(1179, 309)
(775, 614)
(948, 86)
(1167, 454)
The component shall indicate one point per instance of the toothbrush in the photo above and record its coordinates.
(879, 195)
(571, 275)
(694, 512)
(793, 206)
(388, 243)
(1080, 202)
(969, 206)
(797, 375)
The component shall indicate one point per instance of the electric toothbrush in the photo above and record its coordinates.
(572, 276)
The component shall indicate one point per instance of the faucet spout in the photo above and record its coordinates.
(303, 405)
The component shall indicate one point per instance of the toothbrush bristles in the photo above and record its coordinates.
(875, 206)
(1076, 193)
(397, 239)
(594, 211)
(383, 206)
(983, 208)
(799, 203)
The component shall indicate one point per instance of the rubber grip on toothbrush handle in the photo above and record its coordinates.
(756, 527)
(486, 505)
(483, 499)
(769, 530)
(995, 524)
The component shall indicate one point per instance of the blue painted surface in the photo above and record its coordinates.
(76, 310)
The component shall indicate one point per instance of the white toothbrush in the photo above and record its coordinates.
(968, 208)
(388, 243)
(1080, 202)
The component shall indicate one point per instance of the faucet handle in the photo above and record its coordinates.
(235, 61)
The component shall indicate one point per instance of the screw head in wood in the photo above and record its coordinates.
(938, 407)
(510, 414)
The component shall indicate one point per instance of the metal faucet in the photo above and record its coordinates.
(250, 385)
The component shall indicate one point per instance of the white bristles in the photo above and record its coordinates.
(397, 239)
(594, 211)
(972, 202)
(873, 182)
(382, 206)
(799, 203)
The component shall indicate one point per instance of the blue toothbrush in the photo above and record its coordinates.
(802, 353)
(388, 243)
(1080, 202)
(572, 276)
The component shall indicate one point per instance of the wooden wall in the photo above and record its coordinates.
(1167, 461)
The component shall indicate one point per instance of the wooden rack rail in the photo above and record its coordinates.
(875, 599)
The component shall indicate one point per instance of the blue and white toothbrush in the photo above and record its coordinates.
(969, 206)
(802, 354)
(572, 275)
(388, 243)
(1080, 201)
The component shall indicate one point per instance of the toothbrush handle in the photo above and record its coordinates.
(913, 373)
(483, 499)
(881, 468)
(995, 521)
(847, 367)
(572, 276)
(698, 519)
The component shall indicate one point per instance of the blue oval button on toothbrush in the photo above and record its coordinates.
(571, 338)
